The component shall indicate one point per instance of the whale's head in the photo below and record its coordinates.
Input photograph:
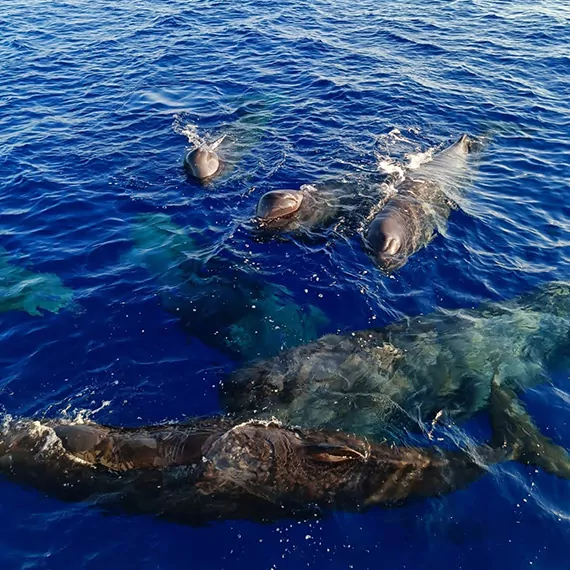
(385, 240)
(202, 163)
(279, 209)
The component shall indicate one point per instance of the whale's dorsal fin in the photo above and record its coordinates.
(216, 143)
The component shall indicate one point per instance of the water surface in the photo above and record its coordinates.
(93, 98)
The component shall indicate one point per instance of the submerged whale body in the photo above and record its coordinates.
(221, 304)
(409, 220)
(24, 290)
(218, 468)
(379, 382)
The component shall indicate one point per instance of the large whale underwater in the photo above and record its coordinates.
(382, 382)
(218, 468)
(218, 302)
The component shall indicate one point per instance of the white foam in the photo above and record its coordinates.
(389, 167)
(217, 142)
(188, 130)
(82, 415)
(395, 142)
(397, 169)
(416, 159)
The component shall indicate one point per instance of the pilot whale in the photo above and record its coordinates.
(409, 220)
(291, 209)
(345, 204)
(408, 374)
(203, 162)
(216, 299)
(220, 468)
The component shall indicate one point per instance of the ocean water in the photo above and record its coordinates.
(98, 104)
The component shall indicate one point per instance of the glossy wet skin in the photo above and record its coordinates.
(202, 163)
(276, 209)
(386, 382)
(215, 468)
(410, 220)
(387, 241)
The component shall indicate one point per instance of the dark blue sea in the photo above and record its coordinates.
(98, 104)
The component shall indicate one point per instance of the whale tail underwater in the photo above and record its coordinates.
(219, 468)
(514, 428)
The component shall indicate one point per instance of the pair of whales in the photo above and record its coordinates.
(405, 224)
(403, 377)
(248, 466)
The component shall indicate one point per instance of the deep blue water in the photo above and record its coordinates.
(93, 96)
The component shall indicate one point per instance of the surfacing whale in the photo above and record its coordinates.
(409, 220)
(343, 204)
(218, 468)
(203, 162)
(406, 375)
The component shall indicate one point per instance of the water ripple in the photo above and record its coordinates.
(93, 99)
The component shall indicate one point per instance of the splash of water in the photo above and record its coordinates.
(395, 143)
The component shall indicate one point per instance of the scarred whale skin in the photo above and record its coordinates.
(217, 468)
